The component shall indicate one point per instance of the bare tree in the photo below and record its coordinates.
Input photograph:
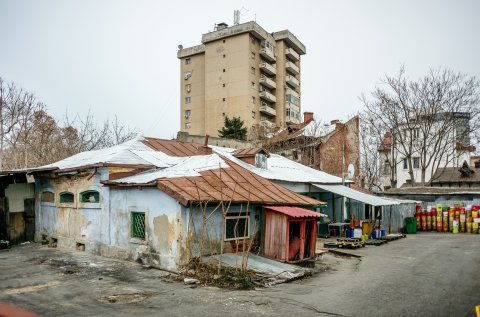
(432, 118)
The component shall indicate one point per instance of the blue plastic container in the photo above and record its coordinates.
(374, 234)
(382, 232)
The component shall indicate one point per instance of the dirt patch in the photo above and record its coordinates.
(123, 298)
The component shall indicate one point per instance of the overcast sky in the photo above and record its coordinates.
(119, 57)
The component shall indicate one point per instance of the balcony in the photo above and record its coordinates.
(267, 82)
(291, 106)
(269, 111)
(290, 52)
(267, 68)
(293, 120)
(268, 96)
(268, 54)
(267, 123)
(292, 81)
(291, 67)
(292, 92)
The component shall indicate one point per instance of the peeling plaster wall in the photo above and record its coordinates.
(75, 222)
(164, 244)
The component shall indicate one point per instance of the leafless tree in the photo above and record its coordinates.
(432, 118)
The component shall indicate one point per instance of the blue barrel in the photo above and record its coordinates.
(382, 232)
(374, 234)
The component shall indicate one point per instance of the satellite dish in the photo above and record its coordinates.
(180, 47)
(351, 170)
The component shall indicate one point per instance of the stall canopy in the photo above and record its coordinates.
(356, 195)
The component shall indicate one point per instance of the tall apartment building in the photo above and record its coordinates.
(240, 71)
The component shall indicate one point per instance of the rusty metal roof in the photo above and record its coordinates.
(177, 148)
(234, 184)
(295, 212)
(249, 152)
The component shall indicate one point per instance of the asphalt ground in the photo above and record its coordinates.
(427, 274)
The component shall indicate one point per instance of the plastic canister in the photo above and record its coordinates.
(455, 226)
(382, 232)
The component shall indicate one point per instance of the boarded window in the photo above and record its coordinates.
(47, 197)
(67, 198)
(138, 225)
(236, 227)
(90, 196)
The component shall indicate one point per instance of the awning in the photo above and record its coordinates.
(356, 195)
(295, 212)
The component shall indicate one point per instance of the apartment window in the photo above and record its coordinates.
(224, 55)
(188, 61)
(67, 198)
(237, 227)
(188, 99)
(138, 225)
(386, 168)
(416, 162)
(224, 99)
(292, 99)
(253, 114)
(252, 55)
(252, 70)
(254, 100)
(187, 125)
(253, 85)
(223, 85)
(224, 70)
(188, 75)
(416, 133)
(223, 41)
(90, 196)
(295, 155)
(405, 164)
(188, 88)
(188, 113)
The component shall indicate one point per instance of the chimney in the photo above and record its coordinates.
(307, 117)
(338, 124)
(205, 144)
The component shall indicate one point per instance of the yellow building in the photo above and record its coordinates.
(242, 71)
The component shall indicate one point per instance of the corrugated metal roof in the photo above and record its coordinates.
(249, 152)
(282, 169)
(231, 184)
(295, 212)
(177, 148)
(356, 195)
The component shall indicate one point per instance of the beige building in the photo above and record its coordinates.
(243, 71)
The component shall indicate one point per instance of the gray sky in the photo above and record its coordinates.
(119, 57)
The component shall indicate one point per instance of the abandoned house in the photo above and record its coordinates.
(161, 202)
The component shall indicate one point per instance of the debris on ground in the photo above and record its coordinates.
(4, 244)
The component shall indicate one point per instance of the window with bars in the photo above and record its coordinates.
(236, 227)
(138, 225)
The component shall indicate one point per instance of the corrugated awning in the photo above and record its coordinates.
(295, 212)
(356, 195)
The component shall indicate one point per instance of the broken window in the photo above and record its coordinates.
(138, 225)
(90, 196)
(47, 197)
(236, 227)
(67, 198)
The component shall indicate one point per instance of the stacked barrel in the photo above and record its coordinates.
(454, 219)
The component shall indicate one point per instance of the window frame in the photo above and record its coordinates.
(188, 88)
(188, 100)
(235, 217)
(94, 191)
(188, 125)
(132, 229)
(188, 61)
(405, 164)
(188, 113)
(47, 203)
(63, 194)
(416, 162)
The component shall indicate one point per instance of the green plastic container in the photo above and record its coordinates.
(411, 225)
